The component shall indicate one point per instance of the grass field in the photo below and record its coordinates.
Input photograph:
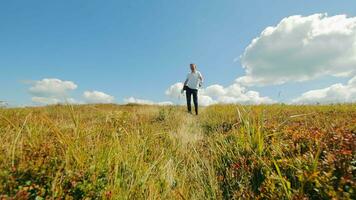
(156, 152)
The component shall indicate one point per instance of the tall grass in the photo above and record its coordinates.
(155, 152)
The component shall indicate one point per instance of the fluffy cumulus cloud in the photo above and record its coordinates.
(213, 94)
(301, 48)
(52, 91)
(55, 91)
(145, 101)
(337, 93)
(52, 87)
(174, 91)
(97, 97)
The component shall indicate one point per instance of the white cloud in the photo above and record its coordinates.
(301, 48)
(215, 91)
(337, 93)
(205, 100)
(235, 93)
(55, 91)
(52, 91)
(97, 97)
(174, 91)
(145, 101)
(213, 94)
(52, 88)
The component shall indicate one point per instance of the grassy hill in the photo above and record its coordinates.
(161, 152)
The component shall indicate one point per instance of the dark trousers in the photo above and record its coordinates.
(189, 92)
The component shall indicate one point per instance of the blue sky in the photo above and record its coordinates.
(139, 48)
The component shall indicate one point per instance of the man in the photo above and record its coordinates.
(191, 85)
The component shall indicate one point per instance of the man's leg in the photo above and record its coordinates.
(195, 99)
(188, 95)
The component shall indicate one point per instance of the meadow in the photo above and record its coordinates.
(162, 152)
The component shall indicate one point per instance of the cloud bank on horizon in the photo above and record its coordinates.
(336, 93)
(97, 97)
(144, 101)
(297, 49)
(55, 91)
(213, 94)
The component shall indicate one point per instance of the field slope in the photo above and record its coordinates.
(161, 152)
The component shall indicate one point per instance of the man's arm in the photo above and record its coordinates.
(185, 82)
(201, 79)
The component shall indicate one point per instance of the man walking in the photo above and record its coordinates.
(191, 85)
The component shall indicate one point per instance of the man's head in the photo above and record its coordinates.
(193, 67)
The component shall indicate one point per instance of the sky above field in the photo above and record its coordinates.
(139, 51)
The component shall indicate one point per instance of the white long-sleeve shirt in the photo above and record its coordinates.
(194, 79)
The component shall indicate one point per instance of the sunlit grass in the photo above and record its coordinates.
(155, 152)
